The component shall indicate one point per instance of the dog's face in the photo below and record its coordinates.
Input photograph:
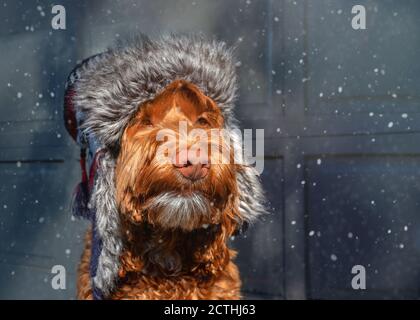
(171, 179)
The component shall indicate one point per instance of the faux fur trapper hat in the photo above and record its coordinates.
(102, 95)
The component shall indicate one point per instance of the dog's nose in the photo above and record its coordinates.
(191, 165)
(193, 171)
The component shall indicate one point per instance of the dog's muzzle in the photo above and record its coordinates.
(193, 171)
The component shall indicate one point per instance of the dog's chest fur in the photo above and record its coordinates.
(224, 285)
(159, 264)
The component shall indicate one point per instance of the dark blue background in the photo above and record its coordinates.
(340, 109)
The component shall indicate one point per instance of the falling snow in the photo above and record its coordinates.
(350, 99)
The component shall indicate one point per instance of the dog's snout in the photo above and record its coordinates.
(193, 168)
(193, 171)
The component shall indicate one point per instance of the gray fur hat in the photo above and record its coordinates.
(106, 91)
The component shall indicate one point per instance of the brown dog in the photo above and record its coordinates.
(176, 218)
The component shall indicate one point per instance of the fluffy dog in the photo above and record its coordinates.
(176, 216)
(162, 201)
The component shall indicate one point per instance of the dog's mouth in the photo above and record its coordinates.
(188, 188)
(186, 211)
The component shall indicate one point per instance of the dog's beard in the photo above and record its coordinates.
(172, 210)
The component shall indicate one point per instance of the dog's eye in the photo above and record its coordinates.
(202, 121)
(146, 122)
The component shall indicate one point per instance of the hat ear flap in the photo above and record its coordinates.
(252, 202)
(107, 223)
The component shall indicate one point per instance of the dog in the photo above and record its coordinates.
(176, 216)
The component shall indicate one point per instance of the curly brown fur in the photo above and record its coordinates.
(210, 283)
(174, 228)
(84, 289)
